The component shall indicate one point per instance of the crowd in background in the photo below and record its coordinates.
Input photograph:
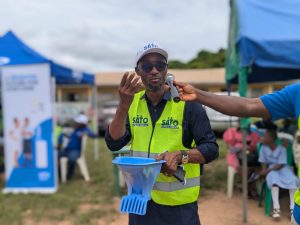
(273, 156)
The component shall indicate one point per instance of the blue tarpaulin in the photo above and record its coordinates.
(13, 52)
(264, 36)
(269, 33)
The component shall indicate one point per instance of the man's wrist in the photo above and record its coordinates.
(185, 157)
(123, 107)
(199, 95)
(182, 156)
(179, 157)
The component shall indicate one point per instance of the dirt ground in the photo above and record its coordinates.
(216, 209)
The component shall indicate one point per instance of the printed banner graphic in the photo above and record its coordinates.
(29, 154)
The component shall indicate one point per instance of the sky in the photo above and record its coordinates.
(104, 35)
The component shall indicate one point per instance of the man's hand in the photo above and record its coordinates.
(172, 159)
(186, 91)
(128, 87)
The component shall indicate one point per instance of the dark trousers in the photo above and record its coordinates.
(72, 156)
(167, 215)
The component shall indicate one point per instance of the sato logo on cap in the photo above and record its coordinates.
(148, 46)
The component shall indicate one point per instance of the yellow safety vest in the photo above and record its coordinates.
(149, 139)
(297, 197)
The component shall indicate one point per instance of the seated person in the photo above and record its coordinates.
(233, 138)
(278, 174)
(73, 149)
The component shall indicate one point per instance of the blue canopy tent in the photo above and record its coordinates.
(263, 46)
(14, 52)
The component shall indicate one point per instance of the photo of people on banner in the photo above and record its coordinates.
(21, 135)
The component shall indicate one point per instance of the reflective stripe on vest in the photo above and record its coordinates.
(175, 186)
(165, 134)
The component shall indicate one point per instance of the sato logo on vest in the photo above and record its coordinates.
(140, 121)
(169, 123)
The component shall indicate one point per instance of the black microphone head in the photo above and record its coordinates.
(176, 99)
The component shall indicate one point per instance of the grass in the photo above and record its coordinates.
(66, 203)
(82, 202)
(215, 173)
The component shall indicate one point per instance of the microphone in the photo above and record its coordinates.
(180, 175)
(174, 92)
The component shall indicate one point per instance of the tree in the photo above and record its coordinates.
(204, 59)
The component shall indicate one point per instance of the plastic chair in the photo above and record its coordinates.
(119, 178)
(230, 180)
(81, 162)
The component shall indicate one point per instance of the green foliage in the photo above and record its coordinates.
(175, 64)
(204, 59)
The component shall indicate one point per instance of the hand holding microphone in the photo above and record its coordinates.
(173, 89)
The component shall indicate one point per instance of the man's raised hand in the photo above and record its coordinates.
(130, 84)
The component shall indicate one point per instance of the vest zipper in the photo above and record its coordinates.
(153, 126)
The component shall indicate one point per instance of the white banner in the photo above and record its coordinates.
(28, 129)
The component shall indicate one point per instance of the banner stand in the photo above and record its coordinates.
(30, 161)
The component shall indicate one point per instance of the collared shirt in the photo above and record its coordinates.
(196, 127)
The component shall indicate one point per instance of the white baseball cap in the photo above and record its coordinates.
(81, 119)
(151, 47)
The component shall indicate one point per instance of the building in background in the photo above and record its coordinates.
(75, 98)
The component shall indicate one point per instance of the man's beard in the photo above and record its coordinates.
(155, 88)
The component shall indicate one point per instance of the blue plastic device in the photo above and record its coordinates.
(140, 175)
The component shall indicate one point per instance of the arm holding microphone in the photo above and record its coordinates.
(202, 153)
(229, 105)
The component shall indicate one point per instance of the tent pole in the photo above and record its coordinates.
(54, 125)
(244, 126)
(94, 104)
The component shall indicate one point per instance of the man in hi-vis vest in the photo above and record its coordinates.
(158, 127)
(278, 105)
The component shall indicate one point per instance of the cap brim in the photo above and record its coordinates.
(154, 50)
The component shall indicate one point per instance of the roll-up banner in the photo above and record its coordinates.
(28, 129)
